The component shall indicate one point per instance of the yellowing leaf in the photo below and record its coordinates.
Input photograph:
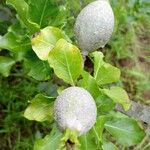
(66, 60)
(118, 95)
(44, 41)
(40, 109)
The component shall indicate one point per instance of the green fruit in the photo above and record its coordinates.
(94, 25)
(75, 110)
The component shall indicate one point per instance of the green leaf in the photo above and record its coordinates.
(22, 9)
(104, 104)
(104, 73)
(62, 18)
(89, 83)
(50, 142)
(66, 60)
(38, 69)
(109, 146)
(11, 42)
(45, 41)
(42, 11)
(40, 109)
(5, 65)
(99, 128)
(118, 95)
(87, 141)
(125, 130)
(16, 39)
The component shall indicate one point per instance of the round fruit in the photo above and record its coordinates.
(94, 25)
(75, 109)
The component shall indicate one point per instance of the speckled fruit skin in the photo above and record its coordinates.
(75, 109)
(94, 25)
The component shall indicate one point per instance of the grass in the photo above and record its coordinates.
(15, 130)
(130, 47)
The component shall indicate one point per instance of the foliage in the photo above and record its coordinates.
(35, 41)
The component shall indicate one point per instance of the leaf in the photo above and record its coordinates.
(40, 109)
(118, 95)
(45, 41)
(11, 42)
(104, 73)
(16, 39)
(50, 142)
(125, 130)
(42, 11)
(38, 69)
(5, 65)
(104, 104)
(22, 9)
(49, 88)
(62, 17)
(99, 128)
(89, 83)
(87, 141)
(66, 60)
(109, 146)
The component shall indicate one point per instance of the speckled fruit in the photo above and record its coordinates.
(75, 109)
(94, 25)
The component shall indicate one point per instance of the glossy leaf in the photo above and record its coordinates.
(66, 60)
(22, 9)
(50, 142)
(118, 95)
(45, 41)
(89, 83)
(125, 130)
(5, 65)
(40, 109)
(104, 73)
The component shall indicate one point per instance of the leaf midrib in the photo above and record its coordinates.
(113, 127)
(42, 14)
(68, 68)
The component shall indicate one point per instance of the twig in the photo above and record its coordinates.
(137, 111)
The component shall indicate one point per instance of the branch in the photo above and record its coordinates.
(137, 111)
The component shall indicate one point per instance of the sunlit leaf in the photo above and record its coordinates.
(118, 95)
(66, 60)
(40, 109)
(44, 41)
